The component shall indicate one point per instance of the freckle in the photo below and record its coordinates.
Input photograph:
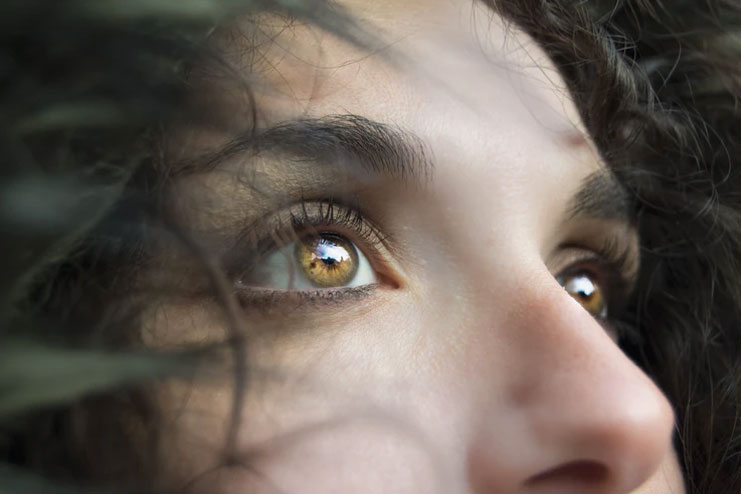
(576, 140)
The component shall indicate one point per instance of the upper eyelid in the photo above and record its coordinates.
(620, 257)
(613, 241)
(618, 261)
(604, 269)
(352, 216)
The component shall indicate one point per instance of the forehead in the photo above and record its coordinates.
(423, 59)
(487, 102)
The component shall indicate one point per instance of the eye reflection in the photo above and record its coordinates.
(587, 291)
(327, 260)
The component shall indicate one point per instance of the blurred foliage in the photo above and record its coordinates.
(20, 481)
(32, 376)
(84, 87)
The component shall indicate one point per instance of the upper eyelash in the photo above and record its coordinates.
(618, 261)
(302, 217)
(613, 256)
(621, 280)
(332, 213)
(616, 257)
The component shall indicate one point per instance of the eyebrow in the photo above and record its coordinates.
(602, 196)
(349, 140)
(380, 148)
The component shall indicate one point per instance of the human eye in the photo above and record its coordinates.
(316, 260)
(586, 288)
(312, 251)
(601, 280)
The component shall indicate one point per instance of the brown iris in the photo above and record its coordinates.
(327, 259)
(585, 290)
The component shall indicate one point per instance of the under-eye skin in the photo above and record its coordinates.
(310, 253)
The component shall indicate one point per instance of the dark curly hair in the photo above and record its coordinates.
(658, 88)
(85, 88)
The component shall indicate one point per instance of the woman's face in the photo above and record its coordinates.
(429, 259)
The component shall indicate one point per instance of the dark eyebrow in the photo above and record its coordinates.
(602, 196)
(353, 140)
(349, 140)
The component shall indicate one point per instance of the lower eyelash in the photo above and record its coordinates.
(284, 300)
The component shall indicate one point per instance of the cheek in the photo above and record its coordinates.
(667, 479)
(359, 454)
(351, 401)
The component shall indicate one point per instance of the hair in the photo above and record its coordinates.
(87, 88)
(658, 89)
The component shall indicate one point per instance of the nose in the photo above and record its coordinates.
(574, 414)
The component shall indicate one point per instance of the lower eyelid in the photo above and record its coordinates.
(266, 300)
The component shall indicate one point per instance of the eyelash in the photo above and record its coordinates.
(336, 215)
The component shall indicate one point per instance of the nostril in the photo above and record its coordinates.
(583, 472)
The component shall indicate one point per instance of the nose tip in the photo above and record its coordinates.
(640, 437)
(612, 445)
(582, 416)
(607, 425)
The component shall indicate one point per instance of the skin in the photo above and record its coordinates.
(467, 368)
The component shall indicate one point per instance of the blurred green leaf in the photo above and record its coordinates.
(81, 114)
(182, 10)
(43, 216)
(34, 376)
(15, 481)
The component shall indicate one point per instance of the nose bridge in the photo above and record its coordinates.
(580, 414)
